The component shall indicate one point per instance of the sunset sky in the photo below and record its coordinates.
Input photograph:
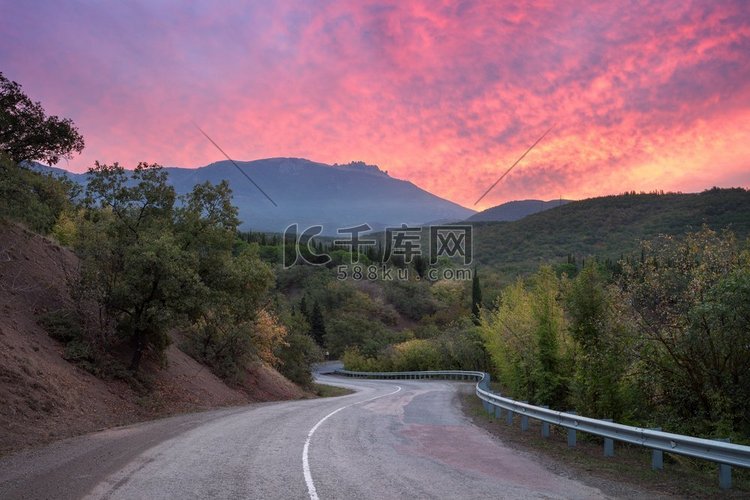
(641, 95)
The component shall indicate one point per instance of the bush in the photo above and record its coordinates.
(414, 355)
(63, 325)
(354, 360)
(34, 199)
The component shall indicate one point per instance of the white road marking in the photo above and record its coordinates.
(305, 460)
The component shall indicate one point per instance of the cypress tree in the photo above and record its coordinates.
(317, 325)
(303, 308)
(476, 296)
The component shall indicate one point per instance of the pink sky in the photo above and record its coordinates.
(642, 95)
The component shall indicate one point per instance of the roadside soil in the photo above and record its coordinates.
(44, 398)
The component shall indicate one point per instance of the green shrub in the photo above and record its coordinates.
(63, 325)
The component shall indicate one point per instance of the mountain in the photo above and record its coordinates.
(309, 193)
(515, 210)
(607, 227)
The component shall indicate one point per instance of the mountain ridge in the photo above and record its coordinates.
(312, 193)
(515, 210)
(607, 227)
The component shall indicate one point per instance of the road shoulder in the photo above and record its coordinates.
(626, 475)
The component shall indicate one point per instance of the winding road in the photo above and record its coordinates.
(390, 439)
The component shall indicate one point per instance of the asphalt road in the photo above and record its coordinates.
(391, 439)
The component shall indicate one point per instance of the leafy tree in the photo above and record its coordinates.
(550, 372)
(525, 337)
(718, 329)
(508, 335)
(155, 267)
(37, 200)
(689, 302)
(420, 264)
(227, 331)
(303, 308)
(298, 352)
(602, 345)
(130, 256)
(352, 329)
(411, 298)
(476, 296)
(27, 134)
(317, 325)
(461, 347)
(414, 355)
(268, 335)
(353, 359)
(229, 325)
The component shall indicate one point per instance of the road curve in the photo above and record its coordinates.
(391, 439)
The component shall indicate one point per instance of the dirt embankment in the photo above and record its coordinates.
(43, 397)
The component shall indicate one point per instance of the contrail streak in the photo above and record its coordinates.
(514, 164)
(235, 164)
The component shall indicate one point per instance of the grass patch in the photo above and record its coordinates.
(329, 391)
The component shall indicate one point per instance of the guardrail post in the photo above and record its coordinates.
(524, 420)
(509, 417)
(725, 473)
(657, 456)
(545, 426)
(725, 476)
(498, 411)
(571, 434)
(609, 444)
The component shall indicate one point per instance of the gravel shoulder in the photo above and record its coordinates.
(626, 475)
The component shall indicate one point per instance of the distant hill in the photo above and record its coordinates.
(515, 210)
(607, 227)
(309, 193)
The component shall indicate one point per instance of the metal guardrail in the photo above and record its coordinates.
(721, 452)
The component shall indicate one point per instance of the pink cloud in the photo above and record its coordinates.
(445, 94)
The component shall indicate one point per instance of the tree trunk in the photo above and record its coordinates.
(139, 345)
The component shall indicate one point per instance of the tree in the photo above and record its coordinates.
(155, 267)
(229, 326)
(268, 336)
(601, 339)
(131, 257)
(36, 199)
(298, 352)
(525, 339)
(303, 308)
(549, 374)
(27, 134)
(507, 332)
(420, 263)
(317, 325)
(476, 297)
(689, 300)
